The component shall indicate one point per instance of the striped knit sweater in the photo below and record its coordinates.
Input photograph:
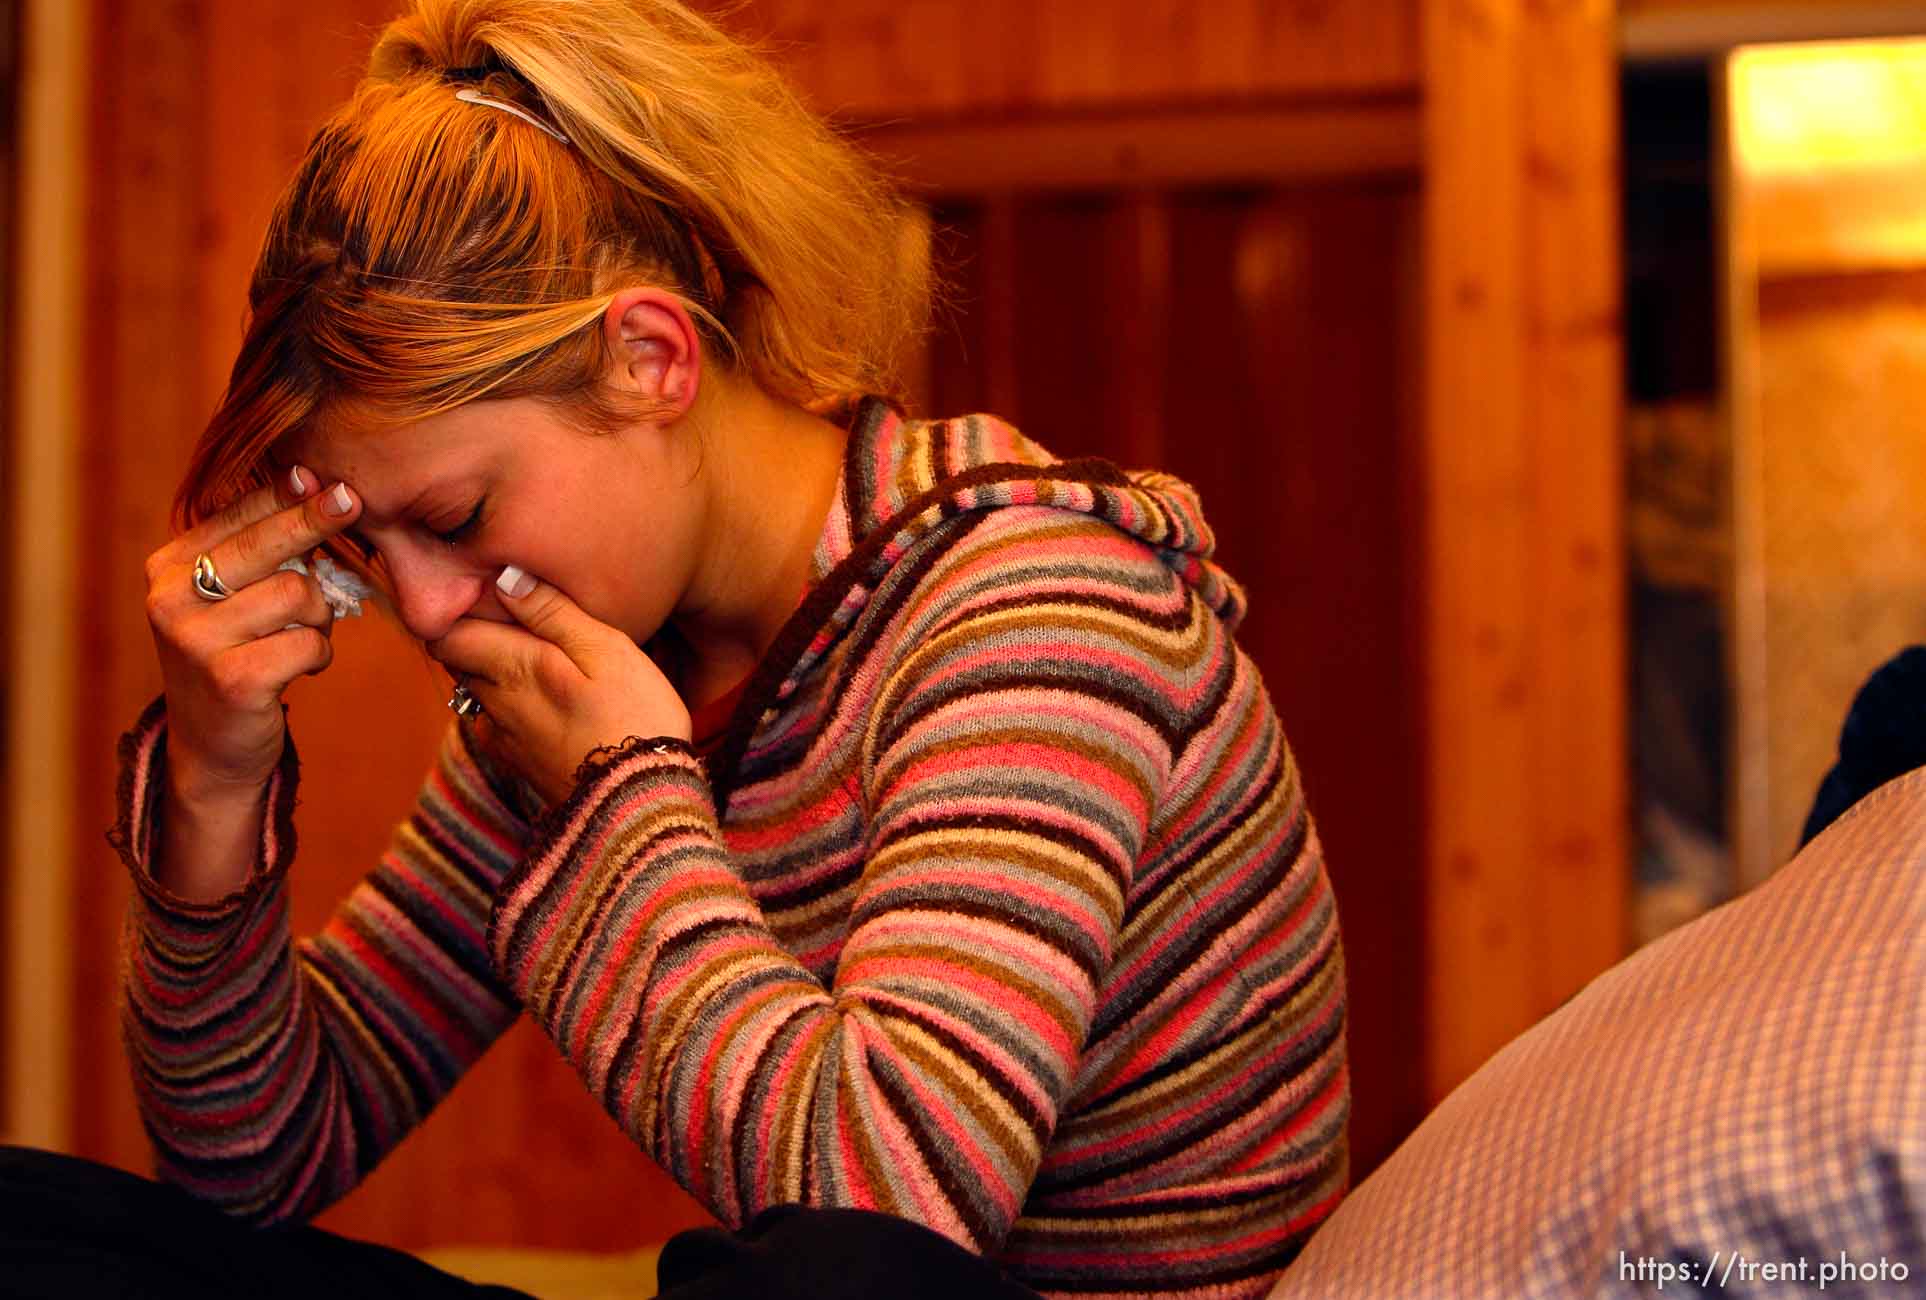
(998, 909)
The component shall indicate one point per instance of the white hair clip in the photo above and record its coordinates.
(469, 95)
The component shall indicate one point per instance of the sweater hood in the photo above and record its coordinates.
(903, 478)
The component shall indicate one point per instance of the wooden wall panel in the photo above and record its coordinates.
(143, 408)
(1761, 11)
(43, 394)
(882, 58)
(1151, 148)
(1524, 627)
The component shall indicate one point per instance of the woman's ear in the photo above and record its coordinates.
(656, 350)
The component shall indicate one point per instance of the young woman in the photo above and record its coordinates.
(877, 812)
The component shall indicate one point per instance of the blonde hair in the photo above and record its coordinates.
(429, 252)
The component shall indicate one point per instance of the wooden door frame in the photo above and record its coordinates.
(1527, 762)
(43, 690)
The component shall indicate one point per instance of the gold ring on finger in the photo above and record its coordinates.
(207, 581)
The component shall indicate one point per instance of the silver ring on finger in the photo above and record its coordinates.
(463, 703)
(207, 580)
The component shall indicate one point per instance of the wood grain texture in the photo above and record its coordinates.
(1308, 142)
(884, 58)
(1642, 8)
(1523, 631)
(44, 366)
(143, 406)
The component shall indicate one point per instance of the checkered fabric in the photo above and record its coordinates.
(1742, 1102)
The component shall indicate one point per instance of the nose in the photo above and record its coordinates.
(431, 596)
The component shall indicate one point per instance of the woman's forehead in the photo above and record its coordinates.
(391, 463)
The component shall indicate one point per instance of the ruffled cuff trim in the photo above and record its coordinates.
(137, 807)
(605, 757)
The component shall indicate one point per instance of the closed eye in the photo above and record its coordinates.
(463, 530)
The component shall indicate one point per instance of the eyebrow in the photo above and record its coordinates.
(406, 510)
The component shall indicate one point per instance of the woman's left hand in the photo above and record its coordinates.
(558, 685)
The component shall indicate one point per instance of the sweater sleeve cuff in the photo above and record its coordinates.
(136, 828)
(646, 796)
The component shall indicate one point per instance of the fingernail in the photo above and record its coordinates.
(297, 482)
(514, 582)
(337, 502)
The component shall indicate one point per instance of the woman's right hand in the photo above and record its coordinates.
(224, 664)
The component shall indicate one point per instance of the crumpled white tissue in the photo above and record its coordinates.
(344, 591)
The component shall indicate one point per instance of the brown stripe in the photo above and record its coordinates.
(1124, 1004)
(1216, 697)
(1234, 820)
(642, 1028)
(559, 962)
(1183, 619)
(980, 739)
(930, 820)
(543, 843)
(875, 1164)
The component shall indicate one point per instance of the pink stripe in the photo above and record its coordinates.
(882, 472)
(461, 799)
(1025, 1012)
